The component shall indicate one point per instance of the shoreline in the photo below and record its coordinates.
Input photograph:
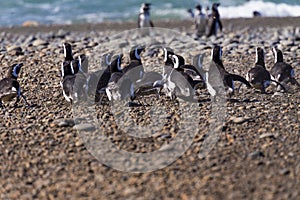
(232, 24)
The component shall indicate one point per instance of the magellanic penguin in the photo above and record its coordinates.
(179, 83)
(113, 67)
(74, 86)
(135, 67)
(200, 21)
(10, 87)
(68, 57)
(214, 21)
(258, 76)
(227, 78)
(119, 87)
(144, 19)
(282, 71)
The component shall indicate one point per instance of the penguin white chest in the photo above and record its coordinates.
(145, 20)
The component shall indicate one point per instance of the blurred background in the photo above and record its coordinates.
(16, 12)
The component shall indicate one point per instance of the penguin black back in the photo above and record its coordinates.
(282, 71)
(214, 21)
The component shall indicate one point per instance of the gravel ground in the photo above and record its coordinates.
(257, 155)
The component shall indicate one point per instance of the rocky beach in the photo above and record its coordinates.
(44, 156)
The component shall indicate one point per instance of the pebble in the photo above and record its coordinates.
(256, 154)
(267, 135)
(239, 120)
(64, 122)
(85, 127)
(39, 42)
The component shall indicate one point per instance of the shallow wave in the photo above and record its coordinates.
(15, 12)
(267, 9)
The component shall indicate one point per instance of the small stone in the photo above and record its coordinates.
(64, 122)
(15, 50)
(239, 120)
(30, 23)
(84, 127)
(284, 171)
(39, 42)
(256, 154)
(267, 135)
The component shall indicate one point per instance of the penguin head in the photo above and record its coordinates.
(198, 7)
(67, 51)
(278, 56)
(260, 56)
(135, 52)
(216, 54)
(175, 61)
(145, 7)
(106, 59)
(15, 70)
(215, 6)
(115, 65)
(167, 52)
(83, 63)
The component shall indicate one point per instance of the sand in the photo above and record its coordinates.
(257, 155)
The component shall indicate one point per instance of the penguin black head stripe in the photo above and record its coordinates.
(278, 56)
(14, 70)
(216, 54)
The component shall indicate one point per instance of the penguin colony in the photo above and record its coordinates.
(178, 79)
(121, 81)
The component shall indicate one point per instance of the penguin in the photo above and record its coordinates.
(68, 54)
(74, 86)
(200, 21)
(227, 78)
(282, 71)
(144, 19)
(113, 67)
(177, 82)
(135, 66)
(119, 87)
(188, 71)
(10, 87)
(68, 57)
(214, 21)
(258, 76)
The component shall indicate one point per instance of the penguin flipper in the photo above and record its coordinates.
(220, 24)
(240, 79)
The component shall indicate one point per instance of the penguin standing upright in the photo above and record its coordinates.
(200, 21)
(217, 68)
(144, 19)
(214, 22)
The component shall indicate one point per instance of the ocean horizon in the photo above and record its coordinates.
(16, 12)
